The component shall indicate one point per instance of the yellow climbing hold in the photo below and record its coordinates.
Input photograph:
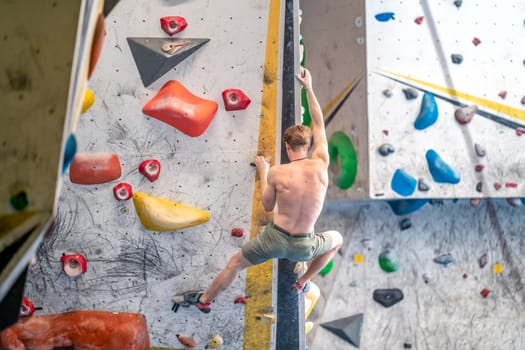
(159, 214)
(359, 258)
(497, 268)
(215, 342)
(308, 326)
(89, 99)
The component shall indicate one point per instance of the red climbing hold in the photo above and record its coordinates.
(479, 167)
(27, 308)
(235, 99)
(173, 24)
(511, 185)
(240, 300)
(150, 168)
(497, 185)
(520, 131)
(74, 264)
(122, 191)
(237, 232)
(177, 106)
(484, 292)
(503, 94)
(476, 41)
(94, 168)
(419, 20)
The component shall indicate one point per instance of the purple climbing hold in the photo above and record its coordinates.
(402, 183)
(474, 202)
(410, 94)
(483, 260)
(465, 114)
(441, 171)
(428, 112)
(384, 16)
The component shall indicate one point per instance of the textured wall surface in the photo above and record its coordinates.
(448, 312)
(129, 267)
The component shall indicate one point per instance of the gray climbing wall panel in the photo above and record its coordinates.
(449, 311)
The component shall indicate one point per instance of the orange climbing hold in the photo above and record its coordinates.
(177, 106)
(83, 329)
(94, 168)
(96, 46)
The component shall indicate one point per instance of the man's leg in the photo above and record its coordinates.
(319, 262)
(224, 279)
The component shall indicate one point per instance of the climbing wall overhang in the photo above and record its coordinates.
(43, 83)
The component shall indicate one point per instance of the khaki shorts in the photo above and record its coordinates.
(275, 242)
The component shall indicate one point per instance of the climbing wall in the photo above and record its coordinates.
(476, 300)
(445, 98)
(131, 268)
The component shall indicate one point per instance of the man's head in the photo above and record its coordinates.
(298, 137)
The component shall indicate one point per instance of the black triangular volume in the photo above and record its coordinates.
(154, 57)
(388, 297)
(348, 328)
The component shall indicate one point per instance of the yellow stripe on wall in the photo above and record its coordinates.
(335, 101)
(258, 332)
(498, 107)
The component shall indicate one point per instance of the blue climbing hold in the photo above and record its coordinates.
(402, 183)
(441, 171)
(384, 16)
(428, 113)
(69, 152)
(406, 206)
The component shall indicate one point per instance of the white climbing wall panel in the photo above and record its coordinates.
(129, 267)
(402, 53)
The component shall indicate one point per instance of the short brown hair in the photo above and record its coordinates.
(297, 136)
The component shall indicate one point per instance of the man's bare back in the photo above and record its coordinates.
(300, 191)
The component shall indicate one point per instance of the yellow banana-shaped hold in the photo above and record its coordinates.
(310, 298)
(89, 99)
(159, 214)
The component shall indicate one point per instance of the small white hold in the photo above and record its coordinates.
(360, 41)
(358, 21)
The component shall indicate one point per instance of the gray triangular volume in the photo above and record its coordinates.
(108, 6)
(348, 328)
(154, 57)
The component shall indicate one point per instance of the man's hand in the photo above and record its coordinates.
(305, 78)
(262, 166)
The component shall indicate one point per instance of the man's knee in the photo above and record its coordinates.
(337, 239)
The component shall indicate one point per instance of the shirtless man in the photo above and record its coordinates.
(298, 188)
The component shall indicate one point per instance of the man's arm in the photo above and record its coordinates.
(320, 143)
(267, 187)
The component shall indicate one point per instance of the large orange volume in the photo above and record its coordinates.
(177, 106)
(94, 168)
(80, 330)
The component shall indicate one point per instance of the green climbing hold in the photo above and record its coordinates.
(388, 261)
(327, 268)
(340, 146)
(19, 201)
